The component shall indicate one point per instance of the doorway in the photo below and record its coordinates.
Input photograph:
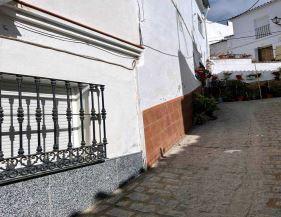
(265, 54)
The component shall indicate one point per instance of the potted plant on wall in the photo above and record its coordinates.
(239, 77)
(253, 76)
(227, 75)
(277, 74)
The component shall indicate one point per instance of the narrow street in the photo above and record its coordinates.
(230, 167)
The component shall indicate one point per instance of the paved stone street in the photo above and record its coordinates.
(230, 167)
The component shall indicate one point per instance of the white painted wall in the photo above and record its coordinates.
(115, 17)
(217, 31)
(219, 48)
(121, 97)
(244, 26)
(161, 77)
(244, 67)
(168, 74)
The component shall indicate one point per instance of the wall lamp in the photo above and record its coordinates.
(276, 20)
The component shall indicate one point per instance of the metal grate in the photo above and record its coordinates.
(38, 149)
(263, 31)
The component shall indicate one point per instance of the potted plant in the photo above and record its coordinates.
(202, 74)
(276, 74)
(214, 77)
(253, 76)
(227, 75)
(239, 77)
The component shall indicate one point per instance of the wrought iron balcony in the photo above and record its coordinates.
(49, 125)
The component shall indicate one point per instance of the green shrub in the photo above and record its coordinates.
(203, 108)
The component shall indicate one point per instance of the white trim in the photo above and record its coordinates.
(72, 31)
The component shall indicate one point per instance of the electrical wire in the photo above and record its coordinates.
(62, 38)
(252, 42)
(165, 53)
(243, 37)
(148, 46)
(69, 52)
(220, 21)
(184, 23)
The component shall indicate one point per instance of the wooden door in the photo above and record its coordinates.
(266, 54)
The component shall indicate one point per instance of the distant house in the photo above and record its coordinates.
(255, 34)
(217, 31)
(217, 36)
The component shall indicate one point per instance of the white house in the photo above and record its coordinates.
(90, 94)
(175, 41)
(218, 35)
(255, 33)
(217, 32)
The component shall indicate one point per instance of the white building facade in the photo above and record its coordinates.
(94, 91)
(175, 41)
(255, 33)
(217, 32)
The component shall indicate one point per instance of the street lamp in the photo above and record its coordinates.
(276, 20)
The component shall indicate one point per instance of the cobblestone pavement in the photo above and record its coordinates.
(230, 167)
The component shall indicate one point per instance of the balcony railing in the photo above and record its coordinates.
(49, 125)
(263, 31)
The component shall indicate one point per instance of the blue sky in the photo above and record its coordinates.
(222, 9)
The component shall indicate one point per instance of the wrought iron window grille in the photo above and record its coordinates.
(262, 31)
(49, 125)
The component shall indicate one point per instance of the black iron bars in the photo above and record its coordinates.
(81, 114)
(93, 114)
(20, 115)
(103, 116)
(1, 120)
(55, 116)
(68, 113)
(38, 115)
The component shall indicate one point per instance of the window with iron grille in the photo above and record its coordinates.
(262, 27)
(49, 125)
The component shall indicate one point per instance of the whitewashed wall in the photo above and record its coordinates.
(168, 74)
(244, 67)
(118, 18)
(219, 48)
(244, 26)
(121, 91)
(217, 31)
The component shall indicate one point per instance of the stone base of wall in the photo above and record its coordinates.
(166, 124)
(61, 194)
